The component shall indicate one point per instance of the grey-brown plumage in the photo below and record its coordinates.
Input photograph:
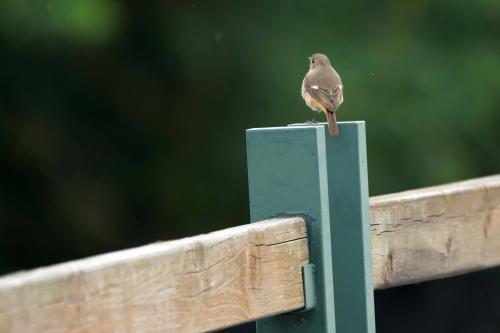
(322, 89)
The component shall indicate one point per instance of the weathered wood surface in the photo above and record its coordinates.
(252, 271)
(435, 232)
(189, 285)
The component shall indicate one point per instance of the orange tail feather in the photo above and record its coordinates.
(332, 123)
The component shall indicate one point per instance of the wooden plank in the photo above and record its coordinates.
(252, 271)
(435, 232)
(189, 285)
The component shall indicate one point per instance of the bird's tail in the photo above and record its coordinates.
(333, 129)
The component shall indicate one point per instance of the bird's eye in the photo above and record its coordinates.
(312, 61)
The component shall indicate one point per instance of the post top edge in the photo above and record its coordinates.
(306, 125)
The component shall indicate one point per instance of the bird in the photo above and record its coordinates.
(322, 90)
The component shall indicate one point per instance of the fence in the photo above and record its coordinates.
(316, 261)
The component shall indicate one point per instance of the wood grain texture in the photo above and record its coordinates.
(435, 232)
(252, 271)
(189, 285)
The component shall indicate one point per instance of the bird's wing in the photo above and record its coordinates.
(330, 98)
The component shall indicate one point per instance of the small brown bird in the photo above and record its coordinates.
(322, 89)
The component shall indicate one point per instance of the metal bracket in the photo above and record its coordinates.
(309, 287)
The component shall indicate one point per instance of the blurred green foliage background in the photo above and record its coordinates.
(122, 122)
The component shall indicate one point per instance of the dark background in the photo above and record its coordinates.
(122, 123)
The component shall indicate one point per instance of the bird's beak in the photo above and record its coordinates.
(309, 59)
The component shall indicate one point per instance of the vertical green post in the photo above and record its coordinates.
(301, 170)
(350, 228)
(287, 174)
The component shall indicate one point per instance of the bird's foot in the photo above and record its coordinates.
(313, 121)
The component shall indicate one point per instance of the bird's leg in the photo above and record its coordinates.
(313, 121)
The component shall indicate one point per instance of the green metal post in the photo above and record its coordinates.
(350, 228)
(287, 171)
(301, 170)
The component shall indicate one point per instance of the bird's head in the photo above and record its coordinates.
(318, 60)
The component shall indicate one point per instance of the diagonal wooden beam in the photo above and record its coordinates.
(435, 232)
(253, 271)
(195, 284)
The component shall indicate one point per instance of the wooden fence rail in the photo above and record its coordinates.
(189, 285)
(435, 232)
(252, 271)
